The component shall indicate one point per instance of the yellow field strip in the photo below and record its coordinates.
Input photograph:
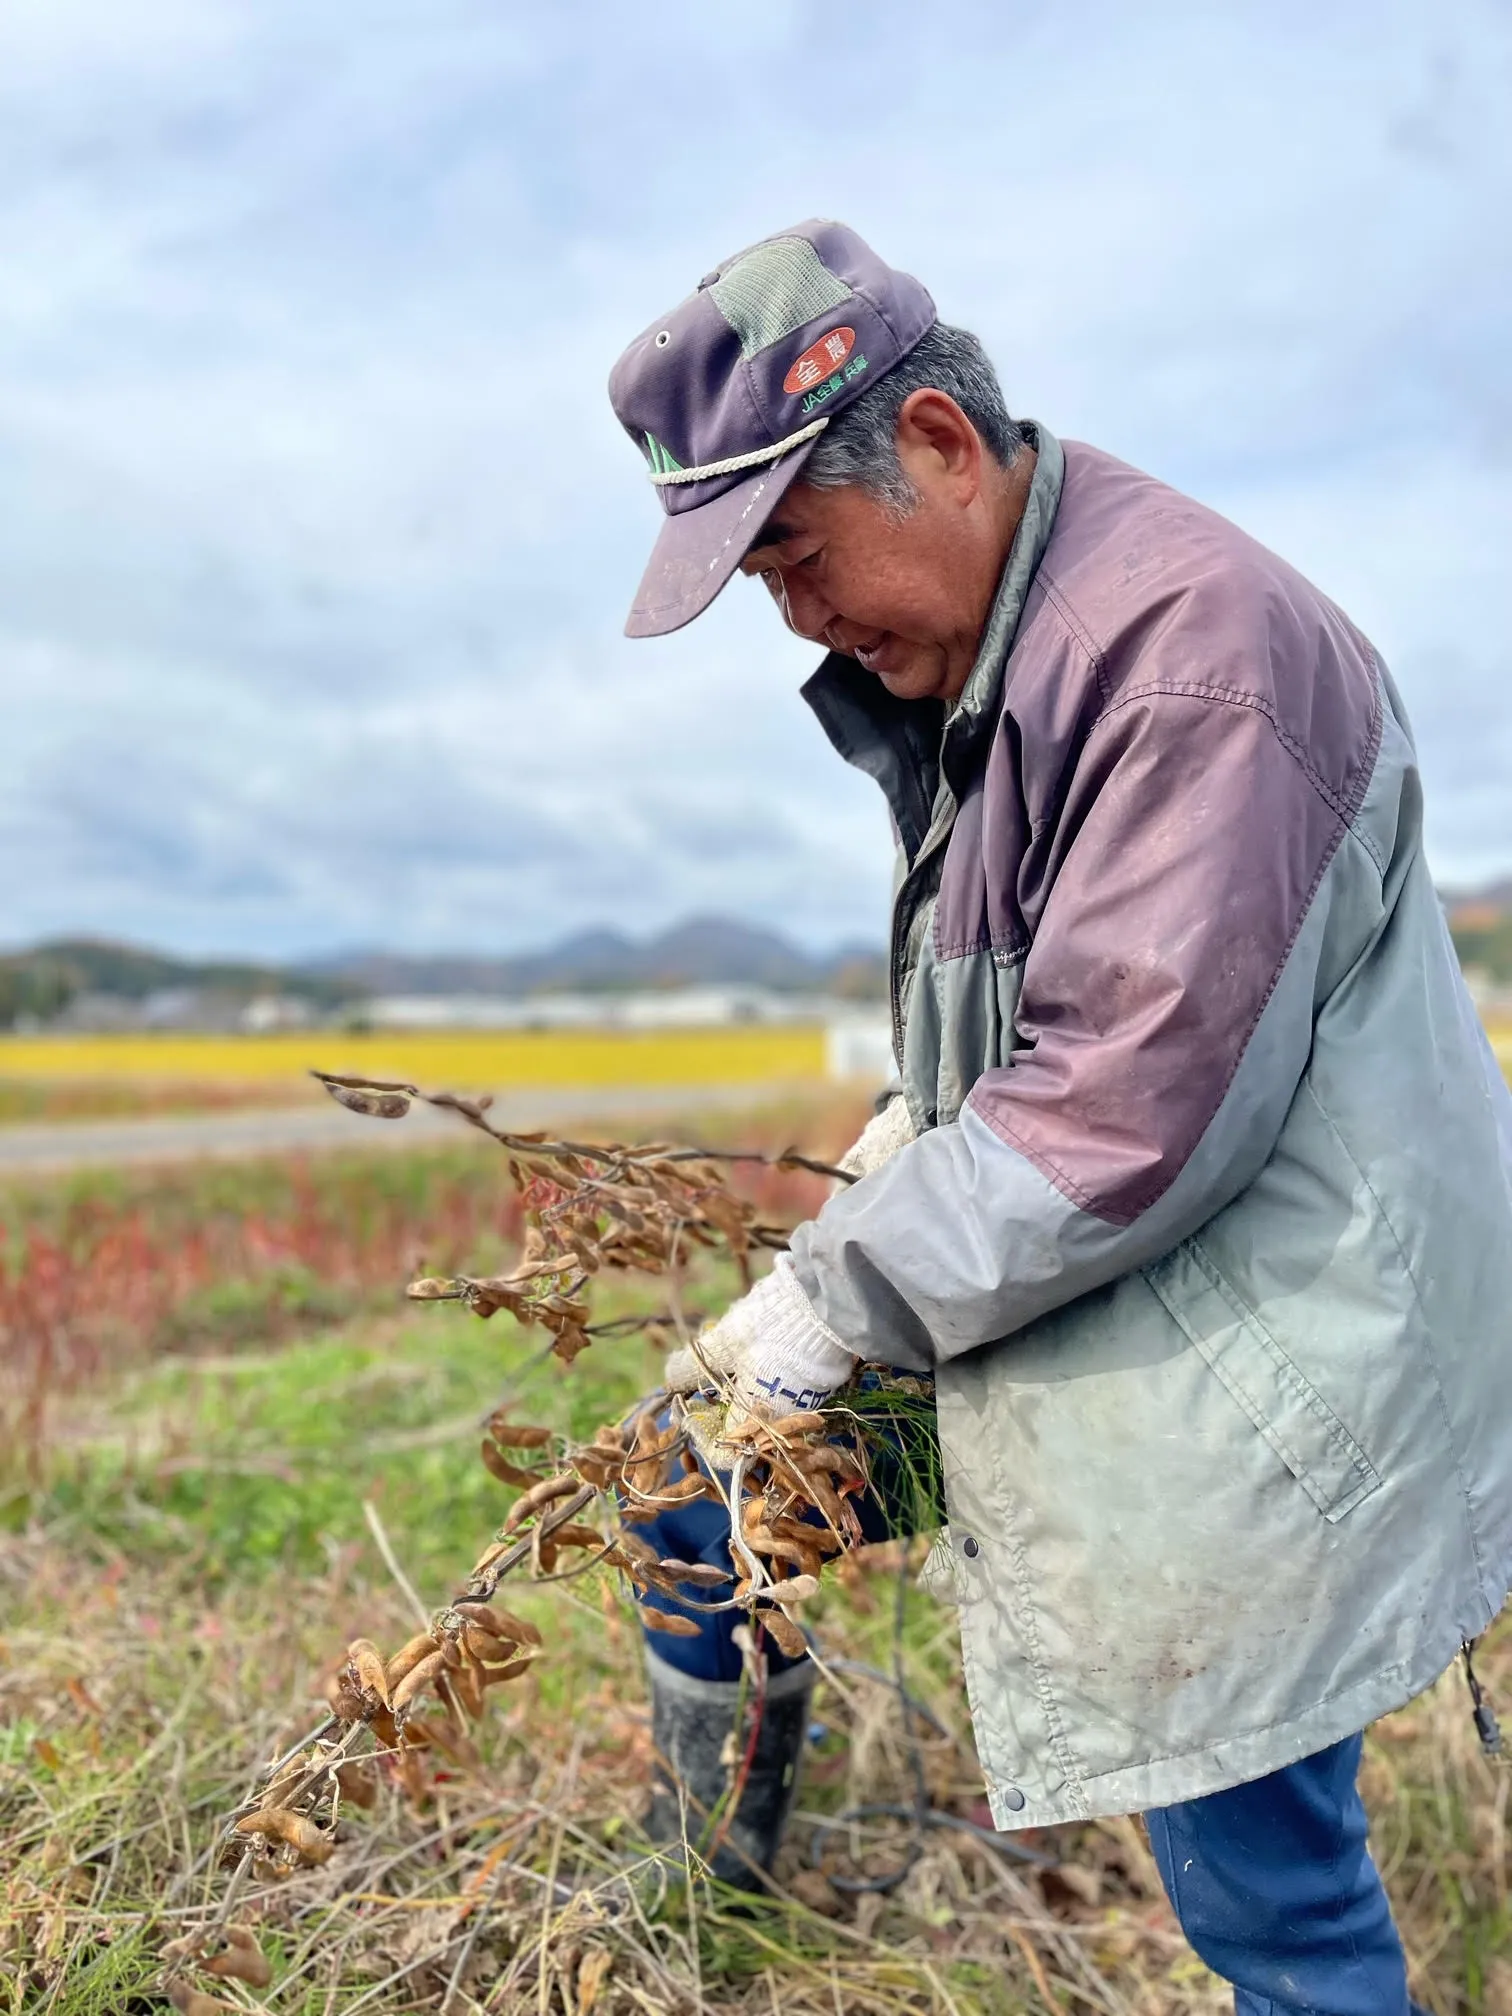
(484, 1060)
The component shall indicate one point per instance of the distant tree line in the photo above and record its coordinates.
(1485, 941)
(39, 985)
(34, 987)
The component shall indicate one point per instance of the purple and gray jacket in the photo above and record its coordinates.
(1207, 1233)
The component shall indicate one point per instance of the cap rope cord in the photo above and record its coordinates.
(731, 463)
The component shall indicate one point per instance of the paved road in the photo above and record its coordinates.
(80, 1144)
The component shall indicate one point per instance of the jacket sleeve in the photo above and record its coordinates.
(1165, 1021)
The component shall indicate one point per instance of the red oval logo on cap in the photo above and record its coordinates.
(819, 360)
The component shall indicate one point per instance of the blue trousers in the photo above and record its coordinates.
(1272, 1881)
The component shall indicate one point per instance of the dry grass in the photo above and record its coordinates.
(526, 1884)
(532, 1862)
(188, 1556)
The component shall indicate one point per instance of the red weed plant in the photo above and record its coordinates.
(96, 1278)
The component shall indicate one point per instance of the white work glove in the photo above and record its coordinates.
(770, 1346)
(879, 1140)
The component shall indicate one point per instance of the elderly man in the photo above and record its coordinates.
(1197, 1195)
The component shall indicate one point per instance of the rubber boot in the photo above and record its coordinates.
(694, 1729)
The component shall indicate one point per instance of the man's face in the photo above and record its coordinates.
(905, 597)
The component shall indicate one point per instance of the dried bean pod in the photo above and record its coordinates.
(276, 1791)
(190, 2002)
(701, 1574)
(492, 1675)
(407, 1658)
(356, 1782)
(576, 1536)
(418, 1679)
(454, 1745)
(411, 1775)
(665, 1620)
(786, 1427)
(467, 1689)
(537, 1497)
(790, 1639)
(368, 1661)
(342, 1696)
(240, 1959)
(796, 1589)
(300, 1834)
(502, 1623)
(499, 1466)
(543, 1554)
(830, 1460)
(514, 1435)
(763, 1541)
(685, 1490)
(479, 1645)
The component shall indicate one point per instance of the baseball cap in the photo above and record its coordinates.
(727, 393)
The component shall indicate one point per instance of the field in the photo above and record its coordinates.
(739, 1054)
(88, 1097)
(213, 1401)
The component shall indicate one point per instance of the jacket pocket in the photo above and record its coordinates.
(1285, 1408)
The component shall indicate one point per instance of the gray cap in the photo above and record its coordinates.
(726, 395)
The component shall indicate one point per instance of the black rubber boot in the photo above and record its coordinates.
(694, 1729)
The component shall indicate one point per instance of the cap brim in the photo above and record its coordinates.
(699, 550)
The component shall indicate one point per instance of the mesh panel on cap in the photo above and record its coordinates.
(774, 289)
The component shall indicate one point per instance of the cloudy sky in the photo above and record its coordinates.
(316, 532)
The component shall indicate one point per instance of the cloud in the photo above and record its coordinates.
(319, 533)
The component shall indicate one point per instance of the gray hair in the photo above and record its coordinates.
(860, 445)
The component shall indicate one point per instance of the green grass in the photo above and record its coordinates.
(252, 1464)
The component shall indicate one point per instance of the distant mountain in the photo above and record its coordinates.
(64, 976)
(69, 977)
(703, 951)
(131, 971)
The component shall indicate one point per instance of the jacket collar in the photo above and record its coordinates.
(904, 744)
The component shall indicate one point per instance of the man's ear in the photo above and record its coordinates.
(935, 437)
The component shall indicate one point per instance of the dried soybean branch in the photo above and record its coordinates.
(591, 1206)
(789, 1495)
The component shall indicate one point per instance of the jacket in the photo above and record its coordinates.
(1207, 1233)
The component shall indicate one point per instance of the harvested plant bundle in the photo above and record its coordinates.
(789, 1498)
